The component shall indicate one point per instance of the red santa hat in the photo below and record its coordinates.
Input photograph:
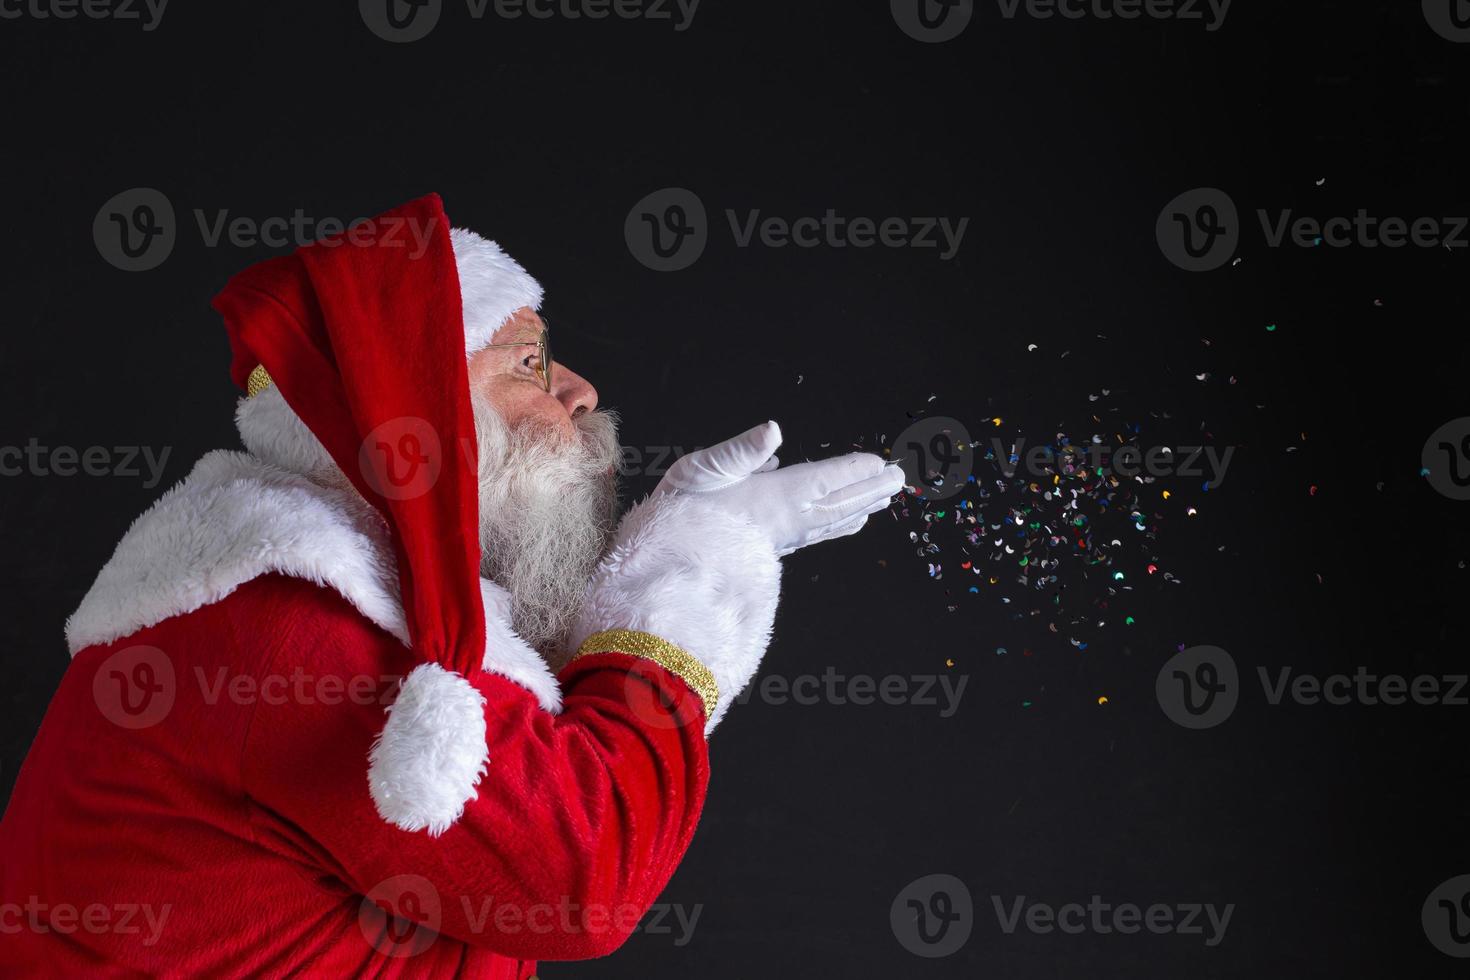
(360, 344)
(492, 287)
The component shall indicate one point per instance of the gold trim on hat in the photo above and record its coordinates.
(258, 381)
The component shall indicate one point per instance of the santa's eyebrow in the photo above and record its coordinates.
(518, 339)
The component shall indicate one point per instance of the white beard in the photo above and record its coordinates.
(548, 507)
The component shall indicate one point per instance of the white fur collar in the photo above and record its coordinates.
(236, 517)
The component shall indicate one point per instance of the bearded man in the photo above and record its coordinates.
(394, 691)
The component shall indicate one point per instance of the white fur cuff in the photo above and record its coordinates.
(687, 572)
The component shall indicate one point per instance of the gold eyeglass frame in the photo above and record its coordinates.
(260, 379)
(543, 345)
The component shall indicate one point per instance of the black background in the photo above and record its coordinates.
(1061, 141)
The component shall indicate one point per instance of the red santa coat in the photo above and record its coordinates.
(250, 768)
(195, 802)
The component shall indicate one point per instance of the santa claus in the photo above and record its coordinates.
(394, 691)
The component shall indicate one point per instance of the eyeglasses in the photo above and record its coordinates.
(543, 347)
(260, 380)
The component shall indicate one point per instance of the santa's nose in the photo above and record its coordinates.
(574, 391)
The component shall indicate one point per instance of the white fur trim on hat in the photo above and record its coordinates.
(273, 432)
(492, 286)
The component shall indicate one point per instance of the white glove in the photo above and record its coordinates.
(794, 507)
(693, 575)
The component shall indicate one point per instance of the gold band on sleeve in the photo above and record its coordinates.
(671, 658)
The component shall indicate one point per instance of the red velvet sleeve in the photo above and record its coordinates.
(577, 825)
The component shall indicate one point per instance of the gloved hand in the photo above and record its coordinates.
(793, 507)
